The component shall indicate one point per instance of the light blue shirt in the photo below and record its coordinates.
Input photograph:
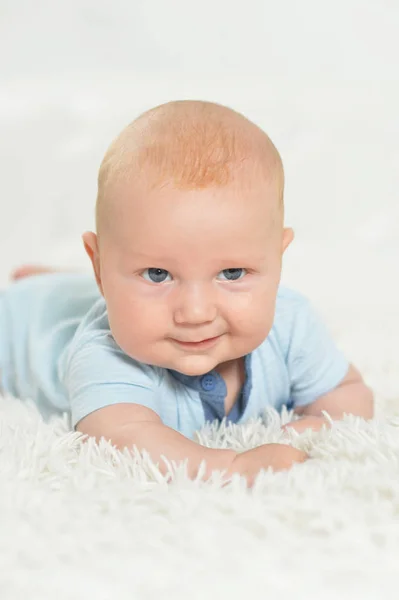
(57, 349)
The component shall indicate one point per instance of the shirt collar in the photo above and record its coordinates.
(209, 383)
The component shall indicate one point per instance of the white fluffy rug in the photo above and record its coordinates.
(84, 521)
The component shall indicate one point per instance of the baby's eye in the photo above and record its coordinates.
(233, 274)
(156, 275)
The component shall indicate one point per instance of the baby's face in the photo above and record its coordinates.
(190, 277)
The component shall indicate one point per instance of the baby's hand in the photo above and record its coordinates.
(277, 456)
(315, 423)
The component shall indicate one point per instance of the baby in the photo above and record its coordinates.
(186, 321)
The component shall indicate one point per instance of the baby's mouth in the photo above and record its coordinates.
(206, 343)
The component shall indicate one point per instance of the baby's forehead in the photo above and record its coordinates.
(214, 213)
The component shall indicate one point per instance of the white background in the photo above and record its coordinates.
(320, 77)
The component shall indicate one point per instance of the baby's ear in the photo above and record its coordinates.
(91, 246)
(288, 236)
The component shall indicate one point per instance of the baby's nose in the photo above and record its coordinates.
(196, 304)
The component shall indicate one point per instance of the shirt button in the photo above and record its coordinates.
(208, 382)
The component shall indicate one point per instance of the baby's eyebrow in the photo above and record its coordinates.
(236, 259)
(145, 256)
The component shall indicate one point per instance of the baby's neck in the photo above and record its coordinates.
(231, 368)
(233, 373)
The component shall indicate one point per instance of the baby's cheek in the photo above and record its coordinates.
(237, 308)
(247, 312)
(256, 327)
(147, 325)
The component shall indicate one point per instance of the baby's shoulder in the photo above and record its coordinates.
(94, 344)
(289, 303)
(290, 312)
(94, 326)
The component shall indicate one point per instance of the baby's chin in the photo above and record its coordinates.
(194, 365)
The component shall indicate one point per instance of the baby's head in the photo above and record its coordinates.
(190, 236)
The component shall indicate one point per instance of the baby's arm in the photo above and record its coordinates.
(321, 377)
(126, 425)
(351, 396)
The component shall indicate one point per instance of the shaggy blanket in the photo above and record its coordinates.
(81, 520)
